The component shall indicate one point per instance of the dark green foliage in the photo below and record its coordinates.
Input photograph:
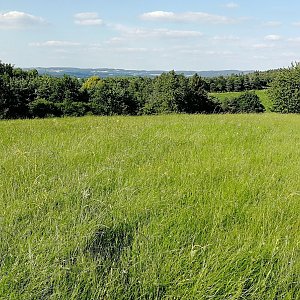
(58, 89)
(176, 93)
(140, 88)
(25, 94)
(247, 102)
(241, 82)
(4, 91)
(69, 89)
(6, 69)
(47, 88)
(285, 90)
(42, 108)
(15, 95)
(198, 100)
(112, 97)
(17, 90)
(73, 109)
(169, 90)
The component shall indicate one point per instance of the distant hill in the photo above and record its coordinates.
(106, 72)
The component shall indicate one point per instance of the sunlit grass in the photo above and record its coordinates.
(262, 94)
(160, 207)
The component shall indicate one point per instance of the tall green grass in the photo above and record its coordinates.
(160, 207)
(262, 94)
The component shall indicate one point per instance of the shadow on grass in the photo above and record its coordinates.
(109, 243)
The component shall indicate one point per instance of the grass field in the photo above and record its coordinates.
(262, 94)
(160, 207)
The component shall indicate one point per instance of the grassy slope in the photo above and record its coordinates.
(166, 207)
(262, 94)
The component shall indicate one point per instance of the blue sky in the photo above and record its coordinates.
(144, 34)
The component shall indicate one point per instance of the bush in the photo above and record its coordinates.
(74, 109)
(111, 97)
(284, 91)
(43, 108)
(173, 93)
(247, 102)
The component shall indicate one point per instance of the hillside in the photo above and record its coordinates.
(161, 207)
(106, 72)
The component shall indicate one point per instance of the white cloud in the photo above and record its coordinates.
(175, 33)
(295, 39)
(159, 15)
(18, 19)
(219, 53)
(296, 24)
(226, 38)
(260, 57)
(191, 51)
(231, 5)
(115, 40)
(88, 19)
(272, 37)
(186, 17)
(131, 49)
(272, 24)
(262, 46)
(155, 33)
(55, 44)
(288, 54)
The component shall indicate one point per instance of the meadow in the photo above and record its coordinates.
(262, 94)
(150, 207)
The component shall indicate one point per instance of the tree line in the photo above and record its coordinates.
(26, 94)
(257, 80)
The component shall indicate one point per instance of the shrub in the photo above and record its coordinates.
(74, 109)
(247, 102)
(284, 91)
(43, 108)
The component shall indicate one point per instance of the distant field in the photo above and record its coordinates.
(262, 94)
(160, 207)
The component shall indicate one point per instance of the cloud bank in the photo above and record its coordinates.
(19, 20)
(186, 17)
(55, 44)
(88, 19)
